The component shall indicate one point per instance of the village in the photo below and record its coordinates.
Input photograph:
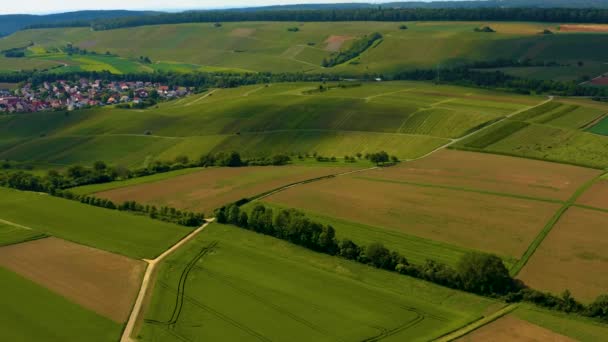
(69, 95)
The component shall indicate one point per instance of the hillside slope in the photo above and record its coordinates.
(269, 46)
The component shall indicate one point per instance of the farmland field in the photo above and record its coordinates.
(574, 327)
(407, 119)
(572, 256)
(268, 46)
(102, 282)
(299, 295)
(34, 313)
(601, 127)
(212, 188)
(10, 234)
(511, 328)
(470, 219)
(596, 196)
(110, 230)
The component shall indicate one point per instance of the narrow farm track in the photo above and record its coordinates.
(477, 324)
(146, 286)
(15, 225)
(517, 267)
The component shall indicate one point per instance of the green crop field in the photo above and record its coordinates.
(601, 127)
(32, 313)
(407, 119)
(299, 295)
(268, 46)
(10, 234)
(122, 233)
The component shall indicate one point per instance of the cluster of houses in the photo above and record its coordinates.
(68, 95)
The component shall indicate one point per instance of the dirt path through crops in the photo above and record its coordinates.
(15, 224)
(146, 288)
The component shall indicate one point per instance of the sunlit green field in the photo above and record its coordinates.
(34, 313)
(247, 286)
(407, 119)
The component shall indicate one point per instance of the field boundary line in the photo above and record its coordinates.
(16, 225)
(201, 98)
(465, 189)
(588, 207)
(292, 185)
(144, 291)
(469, 328)
(518, 266)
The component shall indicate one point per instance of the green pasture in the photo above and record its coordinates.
(600, 128)
(407, 119)
(235, 290)
(34, 313)
(131, 235)
(268, 46)
(575, 327)
(10, 234)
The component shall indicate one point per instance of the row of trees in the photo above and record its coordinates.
(476, 272)
(580, 15)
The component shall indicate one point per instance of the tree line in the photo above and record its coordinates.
(476, 272)
(567, 15)
(100, 172)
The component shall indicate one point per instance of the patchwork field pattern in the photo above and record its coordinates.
(596, 196)
(406, 119)
(34, 313)
(212, 188)
(299, 295)
(572, 256)
(471, 219)
(574, 327)
(511, 328)
(130, 235)
(102, 282)
(268, 46)
(553, 131)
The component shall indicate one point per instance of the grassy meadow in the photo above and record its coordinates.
(268, 46)
(130, 235)
(34, 313)
(240, 291)
(407, 119)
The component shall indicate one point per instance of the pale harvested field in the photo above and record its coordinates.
(212, 188)
(597, 196)
(584, 28)
(334, 43)
(103, 282)
(513, 329)
(574, 256)
(490, 172)
(502, 225)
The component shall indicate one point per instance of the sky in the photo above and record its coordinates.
(57, 6)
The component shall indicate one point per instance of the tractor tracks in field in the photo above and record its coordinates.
(147, 283)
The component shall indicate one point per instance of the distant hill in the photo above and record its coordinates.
(442, 4)
(15, 22)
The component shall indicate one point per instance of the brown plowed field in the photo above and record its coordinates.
(99, 281)
(574, 256)
(597, 196)
(491, 173)
(584, 28)
(513, 329)
(502, 225)
(212, 188)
